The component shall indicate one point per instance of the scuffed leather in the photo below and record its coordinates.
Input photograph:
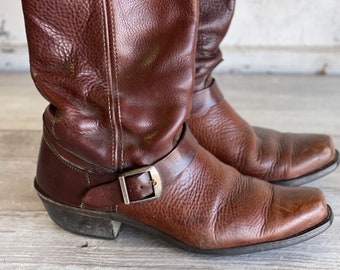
(259, 152)
(119, 76)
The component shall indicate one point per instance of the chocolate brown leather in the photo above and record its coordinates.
(259, 152)
(214, 21)
(119, 76)
(211, 206)
(98, 110)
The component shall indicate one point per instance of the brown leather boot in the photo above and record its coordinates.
(119, 76)
(282, 158)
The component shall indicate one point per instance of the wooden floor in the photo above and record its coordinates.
(30, 240)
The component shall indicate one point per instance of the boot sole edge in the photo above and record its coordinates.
(312, 176)
(106, 225)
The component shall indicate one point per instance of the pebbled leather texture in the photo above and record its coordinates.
(263, 153)
(220, 208)
(259, 152)
(119, 76)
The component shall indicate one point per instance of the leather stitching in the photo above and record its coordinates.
(115, 63)
(109, 96)
(69, 165)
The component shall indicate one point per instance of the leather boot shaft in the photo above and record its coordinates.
(214, 22)
(111, 74)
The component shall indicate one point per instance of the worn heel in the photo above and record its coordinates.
(81, 221)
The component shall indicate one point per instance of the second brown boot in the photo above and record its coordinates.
(282, 158)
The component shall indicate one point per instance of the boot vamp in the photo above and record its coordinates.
(211, 205)
(259, 152)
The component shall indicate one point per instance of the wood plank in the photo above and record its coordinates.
(19, 144)
(288, 103)
(21, 105)
(16, 182)
(30, 240)
(18, 158)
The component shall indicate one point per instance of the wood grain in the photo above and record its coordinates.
(30, 240)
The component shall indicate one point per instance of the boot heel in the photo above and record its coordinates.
(81, 221)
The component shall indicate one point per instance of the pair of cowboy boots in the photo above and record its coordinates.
(126, 139)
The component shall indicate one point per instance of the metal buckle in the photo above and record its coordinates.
(155, 179)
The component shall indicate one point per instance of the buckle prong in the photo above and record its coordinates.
(155, 180)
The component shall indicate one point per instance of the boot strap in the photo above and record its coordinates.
(131, 186)
(146, 183)
(206, 98)
(137, 185)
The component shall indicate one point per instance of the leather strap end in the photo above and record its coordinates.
(206, 98)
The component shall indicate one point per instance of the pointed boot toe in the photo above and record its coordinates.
(313, 156)
(307, 203)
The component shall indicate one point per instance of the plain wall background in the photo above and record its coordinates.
(266, 36)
